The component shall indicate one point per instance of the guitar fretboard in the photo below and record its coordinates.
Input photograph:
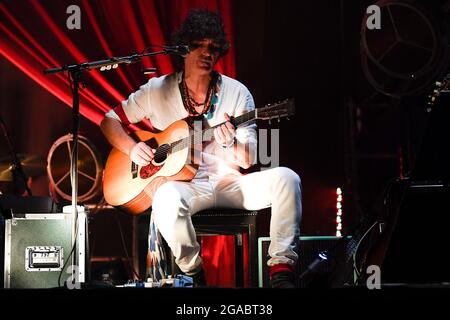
(207, 134)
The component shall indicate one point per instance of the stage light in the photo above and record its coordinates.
(339, 198)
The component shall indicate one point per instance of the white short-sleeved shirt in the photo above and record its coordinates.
(160, 101)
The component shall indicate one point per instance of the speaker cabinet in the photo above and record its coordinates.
(417, 249)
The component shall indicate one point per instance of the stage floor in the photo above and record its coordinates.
(179, 303)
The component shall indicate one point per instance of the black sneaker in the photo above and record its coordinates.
(199, 279)
(283, 280)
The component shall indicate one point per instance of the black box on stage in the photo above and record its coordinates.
(18, 204)
(336, 272)
(419, 242)
(114, 245)
(36, 246)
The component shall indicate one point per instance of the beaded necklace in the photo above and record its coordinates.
(210, 99)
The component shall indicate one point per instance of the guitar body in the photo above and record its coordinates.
(177, 157)
(132, 187)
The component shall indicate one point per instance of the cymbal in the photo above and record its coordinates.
(32, 166)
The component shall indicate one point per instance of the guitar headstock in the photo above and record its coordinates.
(440, 86)
(281, 109)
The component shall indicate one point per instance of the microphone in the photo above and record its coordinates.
(180, 50)
(149, 70)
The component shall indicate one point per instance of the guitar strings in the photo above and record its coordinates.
(185, 142)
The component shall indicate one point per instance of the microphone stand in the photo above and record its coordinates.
(75, 72)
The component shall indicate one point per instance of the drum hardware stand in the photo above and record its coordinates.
(17, 169)
(74, 72)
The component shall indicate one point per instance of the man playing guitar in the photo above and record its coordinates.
(199, 92)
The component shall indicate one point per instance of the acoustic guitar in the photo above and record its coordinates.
(132, 187)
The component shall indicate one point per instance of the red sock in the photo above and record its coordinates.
(279, 268)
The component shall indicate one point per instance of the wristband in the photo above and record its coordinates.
(228, 146)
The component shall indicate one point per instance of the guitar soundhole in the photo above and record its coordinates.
(161, 153)
(157, 162)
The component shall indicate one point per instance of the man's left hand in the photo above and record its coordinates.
(225, 133)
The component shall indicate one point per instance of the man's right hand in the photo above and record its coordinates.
(142, 154)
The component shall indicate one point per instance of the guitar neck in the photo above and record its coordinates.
(207, 134)
(236, 122)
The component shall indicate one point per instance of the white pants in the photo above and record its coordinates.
(279, 188)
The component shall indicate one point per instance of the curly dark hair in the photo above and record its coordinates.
(202, 24)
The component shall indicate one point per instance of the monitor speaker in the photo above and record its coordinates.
(337, 271)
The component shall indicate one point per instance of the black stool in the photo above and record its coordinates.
(235, 222)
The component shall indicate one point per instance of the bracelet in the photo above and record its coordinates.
(228, 146)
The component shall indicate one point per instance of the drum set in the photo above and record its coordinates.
(31, 164)
(57, 168)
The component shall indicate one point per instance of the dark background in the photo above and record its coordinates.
(344, 134)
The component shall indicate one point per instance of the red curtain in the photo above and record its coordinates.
(34, 36)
